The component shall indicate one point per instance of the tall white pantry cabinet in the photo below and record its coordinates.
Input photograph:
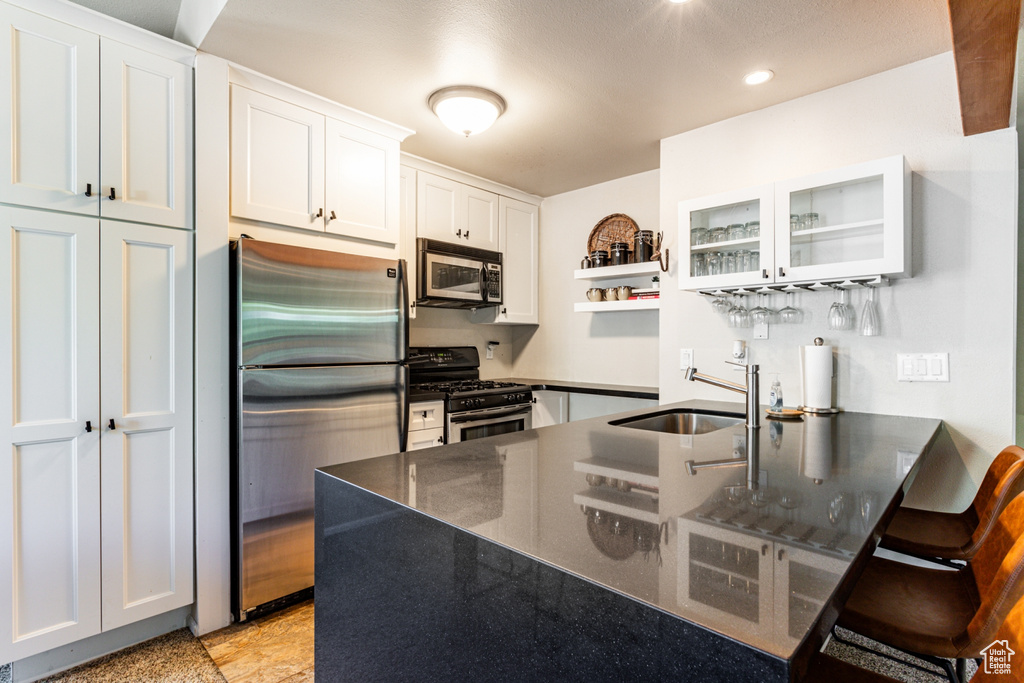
(95, 332)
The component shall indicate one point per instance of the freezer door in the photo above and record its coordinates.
(293, 421)
(298, 306)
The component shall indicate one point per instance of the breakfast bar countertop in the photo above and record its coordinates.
(590, 537)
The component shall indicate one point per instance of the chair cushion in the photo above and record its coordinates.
(913, 608)
(931, 534)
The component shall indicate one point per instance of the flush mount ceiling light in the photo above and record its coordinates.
(758, 77)
(466, 109)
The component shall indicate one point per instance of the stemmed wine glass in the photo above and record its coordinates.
(790, 314)
(840, 314)
(760, 314)
(869, 325)
(720, 305)
(738, 314)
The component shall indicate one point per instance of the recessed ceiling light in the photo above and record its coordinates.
(679, 2)
(758, 77)
(467, 109)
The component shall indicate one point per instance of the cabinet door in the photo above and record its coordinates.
(50, 109)
(361, 183)
(277, 161)
(550, 408)
(146, 136)
(146, 395)
(847, 222)
(49, 467)
(480, 218)
(519, 236)
(407, 231)
(438, 208)
(425, 438)
(726, 240)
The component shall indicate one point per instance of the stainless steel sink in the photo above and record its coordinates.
(683, 421)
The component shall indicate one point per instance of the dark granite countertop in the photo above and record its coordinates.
(623, 390)
(617, 507)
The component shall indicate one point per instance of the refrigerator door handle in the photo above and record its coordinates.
(403, 310)
(403, 406)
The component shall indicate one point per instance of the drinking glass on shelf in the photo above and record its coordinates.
(714, 262)
(809, 221)
(754, 229)
(790, 314)
(840, 314)
(794, 223)
(736, 231)
(729, 263)
(743, 261)
(869, 324)
(697, 265)
(699, 236)
(718, 234)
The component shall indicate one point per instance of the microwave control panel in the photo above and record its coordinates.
(493, 282)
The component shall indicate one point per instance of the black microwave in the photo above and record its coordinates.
(457, 276)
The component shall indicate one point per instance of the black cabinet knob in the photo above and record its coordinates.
(111, 197)
(88, 189)
(88, 426)
(111, 424)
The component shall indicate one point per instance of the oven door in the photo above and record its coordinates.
(453, 277)
(476, 424)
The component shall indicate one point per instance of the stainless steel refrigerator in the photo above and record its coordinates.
(320, 345)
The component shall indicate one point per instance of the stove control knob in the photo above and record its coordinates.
(479, 401)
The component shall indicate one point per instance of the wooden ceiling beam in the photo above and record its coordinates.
(985, 51)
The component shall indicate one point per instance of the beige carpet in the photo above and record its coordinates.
(177, 656)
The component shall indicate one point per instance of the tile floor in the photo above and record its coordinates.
(277, 648)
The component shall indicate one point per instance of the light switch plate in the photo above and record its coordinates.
(922, 367)
(685, 358)
(761, 331)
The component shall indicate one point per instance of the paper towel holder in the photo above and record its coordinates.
(818, 341)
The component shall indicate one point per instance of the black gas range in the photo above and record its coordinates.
(474, 408)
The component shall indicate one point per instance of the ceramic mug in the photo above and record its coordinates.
(611, 294)
(595, 294)
(624, 292)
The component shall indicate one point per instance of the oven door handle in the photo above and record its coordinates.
(484, 415)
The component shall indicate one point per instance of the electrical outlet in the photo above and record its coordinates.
(685, 358)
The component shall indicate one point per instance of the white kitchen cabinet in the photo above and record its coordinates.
(277, 161)
(297, 167)
(454, 212)
(98, 415)
(361, 197)
(862, 226)
(426, 425)
(519, 236)
(852, 222)
(750, 259)
(51, 429)
(94, 126)
(550, 408)
(407, 230)
(146, 404)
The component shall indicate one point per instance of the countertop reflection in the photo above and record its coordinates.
(752, 550)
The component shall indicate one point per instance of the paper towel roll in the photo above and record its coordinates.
(816, 376)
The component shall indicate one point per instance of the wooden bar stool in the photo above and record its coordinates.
(942, 614)
(957, 536)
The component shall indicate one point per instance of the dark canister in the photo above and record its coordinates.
(598, 258)
(619, 253)
(643, 246)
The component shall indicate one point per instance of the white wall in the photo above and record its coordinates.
(961, 299)
(613, 348)
(451, 327)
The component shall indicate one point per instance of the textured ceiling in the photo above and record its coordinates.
(591, 86)
(158, 16)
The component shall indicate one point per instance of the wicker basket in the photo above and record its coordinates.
(617, 227)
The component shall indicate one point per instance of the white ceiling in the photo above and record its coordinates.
(591, 86)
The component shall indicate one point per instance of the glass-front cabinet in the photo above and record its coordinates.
(849, 222)
(729, 238)
(844, 223)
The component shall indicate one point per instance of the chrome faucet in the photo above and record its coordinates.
(751, 390)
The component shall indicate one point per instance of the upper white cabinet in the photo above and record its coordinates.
(844, 223)
(518, 229)
(96, 422)
(277, 161)
(454, 212)
(94, 126)
(297, 167)
(407, 230)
